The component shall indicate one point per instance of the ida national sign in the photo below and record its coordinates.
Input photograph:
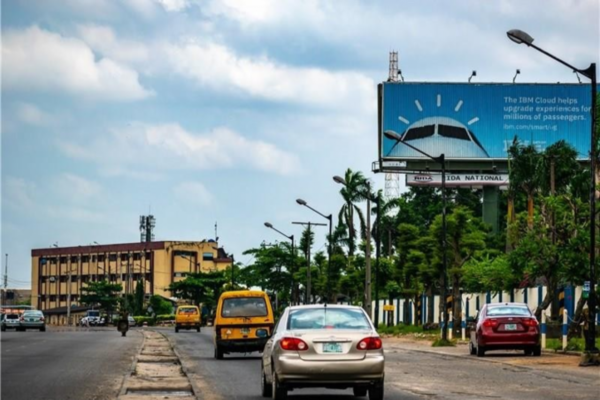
(480, 121)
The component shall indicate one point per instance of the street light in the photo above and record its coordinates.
(519, 37)
(330, 218)
(368, 302)
(294, 291)
(441, 159)
(308, 272)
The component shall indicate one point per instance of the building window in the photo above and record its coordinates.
(137, 256)
(73, 259)
(207, 256)
(112, 257)
(63, 260)
(64, 278)
(63, 297)
(101, 257)
(85, 259)
(52, 297)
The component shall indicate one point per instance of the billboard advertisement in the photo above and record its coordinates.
(467, 121)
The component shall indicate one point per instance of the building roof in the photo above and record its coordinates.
(120, 248)
(63, 310)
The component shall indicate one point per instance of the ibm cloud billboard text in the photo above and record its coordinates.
(480, 121)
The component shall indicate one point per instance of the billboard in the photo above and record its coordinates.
(467, 121)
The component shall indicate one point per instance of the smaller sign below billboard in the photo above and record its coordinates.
(457, 180)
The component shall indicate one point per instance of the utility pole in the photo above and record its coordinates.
(368, 302)
(5, 279)
(307, 299)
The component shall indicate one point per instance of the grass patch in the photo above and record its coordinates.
(443, 343)
(398, 330)
(574, 344)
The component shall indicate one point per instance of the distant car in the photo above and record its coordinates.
(10, 321)
(505, 326)
(32, 319)
(131, 320)
(330, 346)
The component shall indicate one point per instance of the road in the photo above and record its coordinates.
(411, 373)
(63, 365)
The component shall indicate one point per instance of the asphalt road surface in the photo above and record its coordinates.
(410, 374)
(64, 365)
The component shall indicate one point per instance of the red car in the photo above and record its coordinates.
(505, 326)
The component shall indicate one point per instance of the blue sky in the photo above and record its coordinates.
(208, 110)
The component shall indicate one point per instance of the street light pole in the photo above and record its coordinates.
(367, 302)
(521, 37)
(442, 161)
(308, 269)
(329, 250)
(294, 291)
(378, 252)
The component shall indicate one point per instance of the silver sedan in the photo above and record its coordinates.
(330, 346)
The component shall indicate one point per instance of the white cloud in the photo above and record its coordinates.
(18, 193)
(77, 188)
(174, 5)
(216, 66)
(169, 146)
(33, 115)
(147, 9)
(193, 193)
(36, 59)
(103, 40)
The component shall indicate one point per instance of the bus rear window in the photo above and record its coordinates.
(244, 307)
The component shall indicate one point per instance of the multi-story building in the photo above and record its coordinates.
(156, 264)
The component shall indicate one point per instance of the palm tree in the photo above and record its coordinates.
(525, 172)
(387, 220)
(354, 191)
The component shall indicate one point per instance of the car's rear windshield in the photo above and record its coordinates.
(33, 313)
(12, 316)
(244, 307)
(187, 310)
(328, 318)
(93, 313)
(508, 310)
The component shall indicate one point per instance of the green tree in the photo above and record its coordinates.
(465, 235)
(139, 298)
(101, 294)
(354, 191)
(200, 287)
(524, 172)
(159, 305)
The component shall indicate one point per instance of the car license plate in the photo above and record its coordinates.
(332, 348)
(245, 331)
(510, 327)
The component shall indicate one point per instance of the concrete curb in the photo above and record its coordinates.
(184, 368)
(123, 389)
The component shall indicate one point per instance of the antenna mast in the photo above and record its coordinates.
(393, 74)
(6, 273)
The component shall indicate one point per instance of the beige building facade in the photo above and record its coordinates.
(58, 272)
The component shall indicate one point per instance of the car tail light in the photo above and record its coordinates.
(42, 319)
(530, 322)
(370, 343)
(490, 323)
(291, 343)
(21, 319)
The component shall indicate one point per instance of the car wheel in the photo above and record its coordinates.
(472, 349)
(3, 329)
(359, 391)
(265, 387)
(537, 350)
(528, 352)
(43, 329)
(198, 329)
(480, 351)
(176, 329)
(278, 391)
(218, 353)
(376, 391)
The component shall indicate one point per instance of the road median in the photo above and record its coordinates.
(157, 373)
